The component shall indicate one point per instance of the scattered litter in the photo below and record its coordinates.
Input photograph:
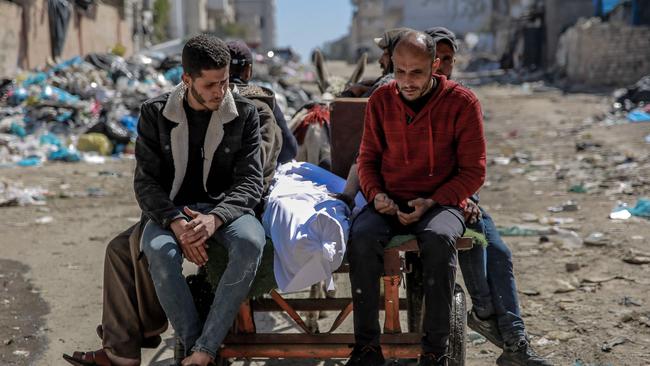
(596, 239)
(572, 266)
(602, 279)
(94, 159)
(620, 212)
(568, 206)
(628, 301)
(609, 345)
(96, 192)
(14, 194)
(543, 342)
(567, 239)
(638, 115)
(501, 160)
(559, 335)
(642, 208)
(20, 352)
(637, 259)
(44, 220)
(556, 220)
(563, 287)
(530, 292)
(525, 230)
(476, 338)
(529, 217)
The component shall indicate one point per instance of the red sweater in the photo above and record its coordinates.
(439, 155)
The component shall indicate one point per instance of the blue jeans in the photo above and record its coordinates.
(490, 281)
(244, 239)
(473, 265)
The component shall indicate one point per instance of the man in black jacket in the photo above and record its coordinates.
(198, 178)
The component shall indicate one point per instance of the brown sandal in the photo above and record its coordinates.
(93, 358)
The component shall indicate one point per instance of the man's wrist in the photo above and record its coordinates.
(217, 220)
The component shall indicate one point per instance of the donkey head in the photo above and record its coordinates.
(334, 85)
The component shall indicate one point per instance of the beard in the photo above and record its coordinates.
(202, 102)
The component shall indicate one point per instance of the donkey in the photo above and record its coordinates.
(310, 124)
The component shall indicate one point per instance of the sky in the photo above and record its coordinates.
(307, 24)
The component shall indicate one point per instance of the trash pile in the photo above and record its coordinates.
(78, 109)
(631, 105)
(87, 108)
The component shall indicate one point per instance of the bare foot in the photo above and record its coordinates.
(198, 359)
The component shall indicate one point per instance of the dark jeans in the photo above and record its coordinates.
(436, 233)
(490, 281)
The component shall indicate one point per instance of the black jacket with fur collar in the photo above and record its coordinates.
(232, 171)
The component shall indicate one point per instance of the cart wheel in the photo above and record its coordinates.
(457, 337)
(179, 351)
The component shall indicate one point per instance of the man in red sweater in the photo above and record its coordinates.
(422, 155)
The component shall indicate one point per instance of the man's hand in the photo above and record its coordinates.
(198, 256)
(193, 240)
(420, 206)
(385, 205)
(472, 213)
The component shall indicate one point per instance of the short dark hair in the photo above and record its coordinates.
(204, 52)
(419, 40)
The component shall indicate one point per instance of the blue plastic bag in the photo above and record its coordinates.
(64, 154)
(29, 161)
(130, 122)
(642, 208)
(638, 115)
(174, 74)
(35, 79)
(17, 130)
(50, 139)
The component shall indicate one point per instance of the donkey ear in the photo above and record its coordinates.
(321, 72)
(359, 69)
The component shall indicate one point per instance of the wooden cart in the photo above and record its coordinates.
(401, 267)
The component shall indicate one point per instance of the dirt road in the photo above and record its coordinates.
(52, 272)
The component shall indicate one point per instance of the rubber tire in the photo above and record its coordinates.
(457, 336)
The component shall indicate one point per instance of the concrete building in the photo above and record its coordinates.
(367, 23)
(220, 13)
(187, 17)
(372, 17)
(460, 16)
(258, 19)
